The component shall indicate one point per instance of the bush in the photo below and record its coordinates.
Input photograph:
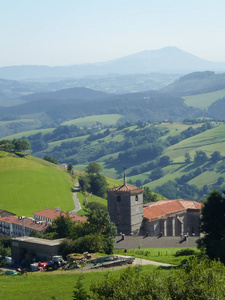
(184, 252)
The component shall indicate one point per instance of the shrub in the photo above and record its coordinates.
(184, 252)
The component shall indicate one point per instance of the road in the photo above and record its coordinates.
(75, 199)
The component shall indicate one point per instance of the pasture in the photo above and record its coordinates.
(60, 284)
(203, 101)
(109, 119)
(29, 184)
(28, 133)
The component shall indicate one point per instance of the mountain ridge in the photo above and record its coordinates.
(167, 60)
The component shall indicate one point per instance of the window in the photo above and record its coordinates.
(118, 198)
(136, 198)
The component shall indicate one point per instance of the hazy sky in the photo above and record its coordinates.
(66, 32)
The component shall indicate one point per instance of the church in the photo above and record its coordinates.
(161, 218)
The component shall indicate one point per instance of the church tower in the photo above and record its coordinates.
(125, 206)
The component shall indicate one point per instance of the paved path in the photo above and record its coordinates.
(75, 199)
(135, 242)
(143, 262)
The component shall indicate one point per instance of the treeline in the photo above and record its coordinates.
(14, 145)
(189, 132)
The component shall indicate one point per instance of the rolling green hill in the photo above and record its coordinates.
(92, 120)
(204, 100)
(29, 184)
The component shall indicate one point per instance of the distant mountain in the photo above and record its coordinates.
(165, 60)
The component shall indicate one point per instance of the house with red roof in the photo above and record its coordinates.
(49, 214)
(20, 226)
(6, 224)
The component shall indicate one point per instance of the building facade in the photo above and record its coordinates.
(172, 218)
(162, 218)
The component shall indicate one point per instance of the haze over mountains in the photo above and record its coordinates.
(165, 60)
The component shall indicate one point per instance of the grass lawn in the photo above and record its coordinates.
(61, 285)
(164, 255)
(44, 285)
(29, 184)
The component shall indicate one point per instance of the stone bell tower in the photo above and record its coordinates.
(125, 206)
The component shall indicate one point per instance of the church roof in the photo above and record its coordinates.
(163, 208)
(126, 188)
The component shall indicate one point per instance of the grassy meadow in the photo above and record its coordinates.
(108, 119)
(45, 285)
(29, 184)
(203, 101)
(28, 133)
(60, 284)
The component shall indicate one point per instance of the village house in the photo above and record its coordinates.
(21, 226)
(48, 215)
(6, 224)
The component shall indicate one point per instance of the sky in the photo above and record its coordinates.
(68, 32)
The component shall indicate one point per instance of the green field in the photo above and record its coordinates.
(28, 133)
(29, 184)
(208, 141)
(45, 285)
(92, 120)
(60, 284)
(204, 100)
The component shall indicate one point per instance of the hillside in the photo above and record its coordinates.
(196, 95)
(196, 83)
(29, 184)
(153, 155)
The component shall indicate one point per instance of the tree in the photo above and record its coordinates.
(148, 196)
(80, 293)
(93, 168)
(99, 220)
(98, 185)
(213, 226)
(70, 168)
(164, 161)
(62, 227)
(156, 173)
(51, 159)
(216, 156)
(187, 158)
(84, 183)
(200, 157)
(21, 145)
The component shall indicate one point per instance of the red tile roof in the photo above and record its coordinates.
(8, 219)
(30, 223)
(163, 208)
(53, 213)
(126, 188)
